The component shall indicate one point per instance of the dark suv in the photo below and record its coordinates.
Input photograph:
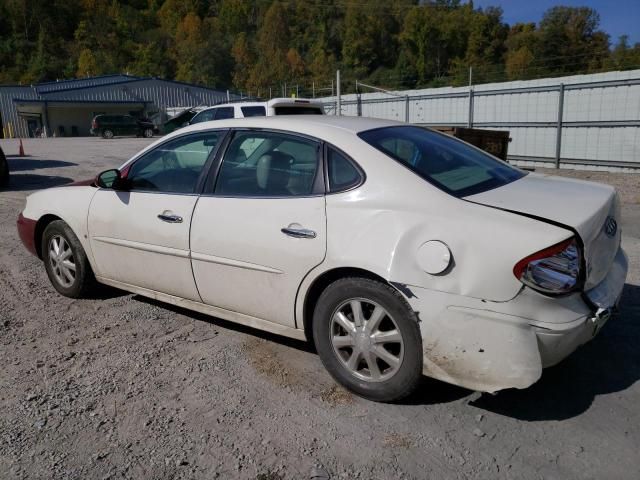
(108, 126)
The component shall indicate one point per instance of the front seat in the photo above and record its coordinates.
(273, 171)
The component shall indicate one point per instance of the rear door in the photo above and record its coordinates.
(261, 227)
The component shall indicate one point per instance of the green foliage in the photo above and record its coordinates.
(259, 45)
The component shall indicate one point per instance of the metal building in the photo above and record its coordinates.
(65, 108)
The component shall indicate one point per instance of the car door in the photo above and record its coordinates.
(119, 125)
(130, 126)
(140, 236)
(260, 226)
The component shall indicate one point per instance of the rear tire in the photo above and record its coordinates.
(66, 261)
(107, 134)
(148, 133)
(368, 339)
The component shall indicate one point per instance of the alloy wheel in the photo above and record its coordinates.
(62, 262)
(366, 340)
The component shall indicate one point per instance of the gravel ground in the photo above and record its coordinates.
(123, 387)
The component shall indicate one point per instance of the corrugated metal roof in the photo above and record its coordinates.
(120, 88)
(82, 82)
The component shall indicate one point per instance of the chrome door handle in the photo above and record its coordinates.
(170, 217)
(298, 232)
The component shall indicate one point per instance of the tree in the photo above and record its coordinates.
(569, 39)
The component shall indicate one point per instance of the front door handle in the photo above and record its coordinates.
(169, 217)
(298, 232)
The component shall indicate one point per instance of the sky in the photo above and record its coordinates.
(617, 17)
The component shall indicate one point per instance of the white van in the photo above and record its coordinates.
(275, 106)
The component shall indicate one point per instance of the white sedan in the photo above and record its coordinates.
(397, 250)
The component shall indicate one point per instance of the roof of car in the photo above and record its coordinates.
(297, 123)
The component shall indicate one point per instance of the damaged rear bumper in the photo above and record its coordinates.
(490, 346)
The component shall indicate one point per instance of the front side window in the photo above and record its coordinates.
(173, 167)
(204, 116)
(447, 163)
(264, 164)
(255, 111)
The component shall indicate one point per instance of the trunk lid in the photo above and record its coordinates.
(590, 209)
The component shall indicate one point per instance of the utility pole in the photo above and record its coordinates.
(559, 124)
(338, 100)
(470, 119)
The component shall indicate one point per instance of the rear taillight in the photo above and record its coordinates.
(94, 124)
(554, 270)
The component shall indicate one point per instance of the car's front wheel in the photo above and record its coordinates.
(368, 338)
(148, 132)
(66, 261)
(108, 134)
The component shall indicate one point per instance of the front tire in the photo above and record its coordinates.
(66, 261)
(107, 134)
(368, 339)
(148, 133)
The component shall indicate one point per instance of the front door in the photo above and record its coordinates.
(262, 227)
(140, 236)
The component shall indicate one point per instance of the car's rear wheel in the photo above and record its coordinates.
(148, 132)
(368, 338)
(66, 261)
(107, 133)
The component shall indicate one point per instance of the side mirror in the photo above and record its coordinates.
(109, 179)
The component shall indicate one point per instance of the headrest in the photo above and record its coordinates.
(272, 172)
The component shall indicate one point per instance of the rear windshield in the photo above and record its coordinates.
(298, 110)
(447, 163)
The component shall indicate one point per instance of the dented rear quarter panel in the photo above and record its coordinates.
(381, 225)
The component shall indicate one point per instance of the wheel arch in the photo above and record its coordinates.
(322, 281)
(41, 225)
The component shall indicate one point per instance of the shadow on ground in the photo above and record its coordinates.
(290, 342)
(29, 181)
(21, 164)
(609, 363)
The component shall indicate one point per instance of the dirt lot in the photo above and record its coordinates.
(122, 387)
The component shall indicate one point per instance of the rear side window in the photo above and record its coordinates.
(265, 164)
(342, 173)
(298, 110)
(449, 164)
(255, 111)
(223, 113)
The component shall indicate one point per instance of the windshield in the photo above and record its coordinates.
(447, 163)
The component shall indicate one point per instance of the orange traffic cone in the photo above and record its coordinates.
(21, 150)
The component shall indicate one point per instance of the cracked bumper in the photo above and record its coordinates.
(490, 346)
